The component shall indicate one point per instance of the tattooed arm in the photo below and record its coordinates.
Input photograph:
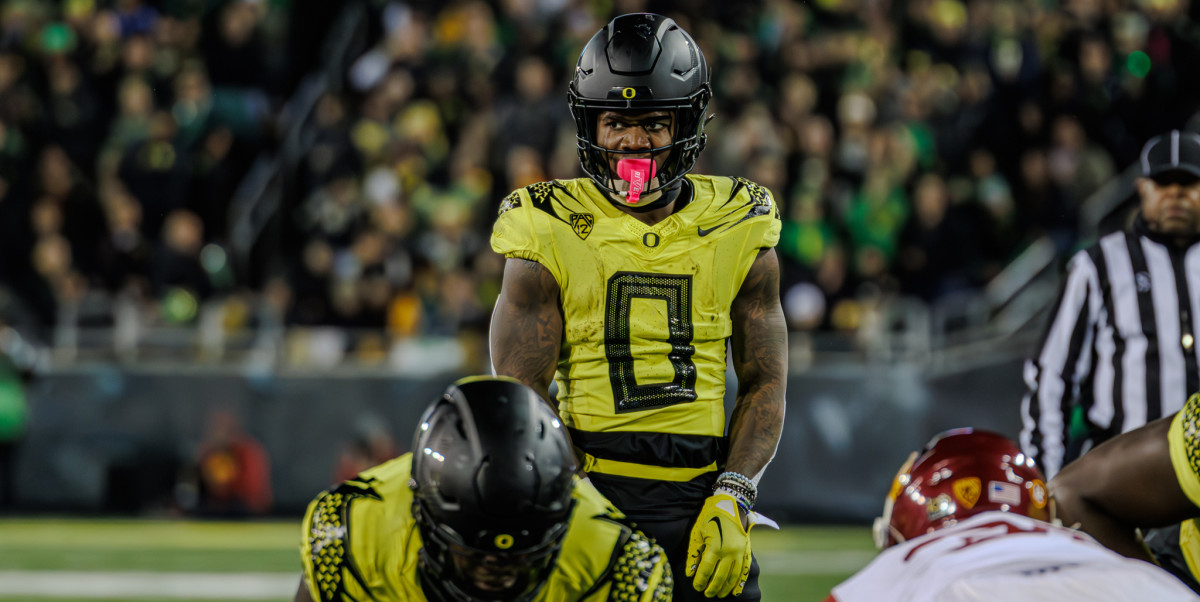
(526, 330)
(759, 346)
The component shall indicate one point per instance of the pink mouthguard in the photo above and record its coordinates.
(637, 172)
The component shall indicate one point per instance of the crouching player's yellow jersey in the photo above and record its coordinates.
(360, 543)
(1184, 440)
(646, 315)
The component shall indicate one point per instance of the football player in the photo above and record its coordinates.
(627, 287)
(1147, 478)
(487, 508)
(970, 518)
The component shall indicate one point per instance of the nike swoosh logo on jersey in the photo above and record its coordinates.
(702, 232)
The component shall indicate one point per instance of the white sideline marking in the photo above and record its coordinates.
(194, 586)
(279, 586)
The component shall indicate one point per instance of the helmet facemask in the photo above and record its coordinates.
(456, 571)
(882, 531)
(672, 161)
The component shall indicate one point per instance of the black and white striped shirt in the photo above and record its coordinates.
(1120, 343)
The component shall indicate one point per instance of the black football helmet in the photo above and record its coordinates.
(641, 62)
(492, 483)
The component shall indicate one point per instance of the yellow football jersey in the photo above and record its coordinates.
(1184, 440)
(646, 315)
(360, 542)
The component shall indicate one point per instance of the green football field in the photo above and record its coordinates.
(67, 559)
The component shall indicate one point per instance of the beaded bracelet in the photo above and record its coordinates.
(737, 478)
(738, 482)
(742, 503)
(742, 491)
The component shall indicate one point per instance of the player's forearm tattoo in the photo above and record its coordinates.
(759, 347)
(527, 326)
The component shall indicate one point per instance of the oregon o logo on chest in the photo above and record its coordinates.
(650, 239)
(628, 93)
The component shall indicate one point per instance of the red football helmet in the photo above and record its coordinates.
(960, 473)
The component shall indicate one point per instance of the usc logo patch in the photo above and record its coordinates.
(967, 491)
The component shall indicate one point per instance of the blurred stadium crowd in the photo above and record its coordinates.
(915, 147)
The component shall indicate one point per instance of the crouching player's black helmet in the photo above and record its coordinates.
(641, 62)
(492, 482)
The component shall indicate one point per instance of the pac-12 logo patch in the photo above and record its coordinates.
(582, 224)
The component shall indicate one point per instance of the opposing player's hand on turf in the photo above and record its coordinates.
(719, 549)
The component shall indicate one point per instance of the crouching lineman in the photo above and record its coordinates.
(487, 507)
(970, 518)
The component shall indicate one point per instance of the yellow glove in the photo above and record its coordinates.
(719, 549)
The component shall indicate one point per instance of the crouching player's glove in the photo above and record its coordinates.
(719, 548)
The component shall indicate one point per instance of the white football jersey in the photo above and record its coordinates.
(999, 556)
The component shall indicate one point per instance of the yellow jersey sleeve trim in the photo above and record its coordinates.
(642, 573)
(1184, 442)
(325, 550)
(763, 204)
(643, 471)
(517, 230)
(525, 254)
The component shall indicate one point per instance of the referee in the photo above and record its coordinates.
(1120, 349)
